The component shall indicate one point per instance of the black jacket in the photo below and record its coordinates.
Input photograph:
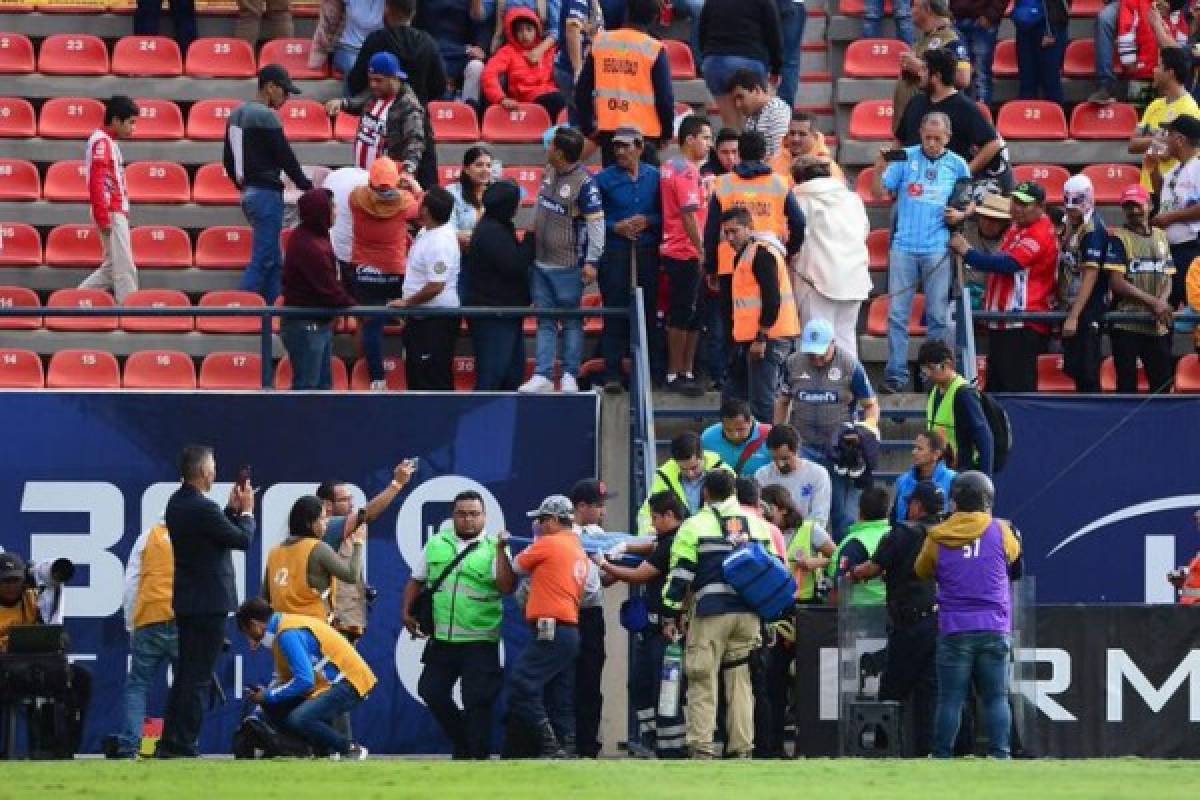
(496, 266)
(908, 597)
(254, 140)
(202, 538)
(747, 28)
(419, 58)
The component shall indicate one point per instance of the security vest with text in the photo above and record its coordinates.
(747, 296)
(940, 416)
(624, 61)
(764, 196)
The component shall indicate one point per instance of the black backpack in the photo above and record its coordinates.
(997, 421)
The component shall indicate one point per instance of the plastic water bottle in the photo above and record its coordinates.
(672, 677)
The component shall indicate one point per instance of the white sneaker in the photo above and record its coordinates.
(569, 384)
(538, 384)
(378, 386)
(357, 753)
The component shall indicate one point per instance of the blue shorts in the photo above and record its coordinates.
(717, 71)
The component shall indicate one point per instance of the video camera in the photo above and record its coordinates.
(49, 574)
(961, 198)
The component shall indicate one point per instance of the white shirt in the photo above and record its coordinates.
(434, 258)
(808, 485)
(341, 182)
(1181, 190)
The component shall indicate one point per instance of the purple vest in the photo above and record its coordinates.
(972, 580)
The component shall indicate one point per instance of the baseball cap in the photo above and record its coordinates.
(1185, 125)
(930, 496)
(995, 206)
(628, 134)
(1029, 192)
(818, 335)
(384, 174)
(1077, 191)
(556, 505)
(273, 73)
(387, 65)
(11, 567)
(1135, 193)
(591, 491)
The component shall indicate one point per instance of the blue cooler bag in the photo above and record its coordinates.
(761, 580)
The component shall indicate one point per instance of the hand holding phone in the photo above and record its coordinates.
(243, 476)
(895, 155)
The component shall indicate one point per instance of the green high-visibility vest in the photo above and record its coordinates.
(941, 417)
(873, 592)
(467, 606)
(801, 547)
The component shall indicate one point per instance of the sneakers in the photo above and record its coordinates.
(688, 387)
(378, 386)
(1103, 96)
(891, 387)
(538, 384)
(569, 384)
(356, 753)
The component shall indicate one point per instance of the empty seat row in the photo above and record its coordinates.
(1042, 120)
(880, 58)
(154, 247)
(1108, 180)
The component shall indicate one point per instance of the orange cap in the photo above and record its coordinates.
(384, 174)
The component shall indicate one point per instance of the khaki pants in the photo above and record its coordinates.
(117, 272)
(263, 19)
(712, 642)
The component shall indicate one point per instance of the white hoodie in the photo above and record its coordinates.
(833, 257)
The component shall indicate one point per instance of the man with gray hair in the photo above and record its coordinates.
(921, 179)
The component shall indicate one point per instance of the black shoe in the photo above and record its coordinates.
(689, 387)
(111, 747)
(550, 748)
(891, 387)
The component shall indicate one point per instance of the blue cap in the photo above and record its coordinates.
(818, 335)
(387, 65)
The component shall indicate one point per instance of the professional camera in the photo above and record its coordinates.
(49, 574)
(961, 198)
(856, 453)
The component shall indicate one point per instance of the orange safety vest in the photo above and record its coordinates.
(287, 577)
(1190, 594)
(747, 299)
(781, 165)
(335, 649)
(624, 62)
(764, 196)
(25, 612)
(156, 583)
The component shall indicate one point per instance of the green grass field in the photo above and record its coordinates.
(613, 780)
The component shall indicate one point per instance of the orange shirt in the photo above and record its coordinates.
(558, 569)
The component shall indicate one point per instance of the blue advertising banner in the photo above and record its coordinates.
(1103, 491)
(85, 473)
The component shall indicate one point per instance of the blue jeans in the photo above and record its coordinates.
(151, 647)
(906, 270)
(844, 495)
(499, 353)
(792, 22)
(542, 683)
(1106, 42)
(1040, 68)
(981, 43)
(692, 9)
(558, 288)
(718, 70)
(614, 279)
(373, 289)
(713, 351)
(312, 719)
(873, 20)
(961, 659)
(757, 381)
(309, 346)
(264, 211)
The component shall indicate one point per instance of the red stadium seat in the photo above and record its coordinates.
(224, 371)
(525, 124)
(877, 316)
(448, 174)
(679, 54)
(19, 181)
(230, 299)
(1086, 8)
(464, 373)
(453, 122)
(1187, 375)
(1110, 121)
(159, 369)
(874, 58)
(16, 54)
(19, 297)
(345, 127)
(1080, 61)
(81, 298)
(292, 54)
(70, 118)
(878, 247)
(66, 183)
(862, 185)
(22, 246)
(161, 247)
(207, 119)
(21, 369)
(225, 247)
(305, 121)
(529, 179)
(592, 326)
(1108, 376)
(872, 120)
(17, 119)
(1051, 377)
(1032, 119)
(214, 188)
(1004, 62)
(157, 298)
(856, 8)
(341, 380)
(1049, 176)
(1110, 180)
(393, 374)
(83, 369)
(147, 57)
(220, 57)
(158, 120)
(74, 246)
(162, 182)
(73, 54)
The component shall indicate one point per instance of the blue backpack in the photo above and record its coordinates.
(762, 581)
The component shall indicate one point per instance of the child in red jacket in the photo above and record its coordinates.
(526, 81)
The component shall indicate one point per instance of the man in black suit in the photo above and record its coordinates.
(202, 538)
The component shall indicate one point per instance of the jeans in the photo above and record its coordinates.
(201, 637)
(542, 683)
(757, 380)
(981, 44)
(713, 350)
(963, 658)
(565, 82)
(477, 665)
(873, 20)
(1040, 68)
(692, 9)
(905, 271)
(151, 647)
(499, 354)
(558, 288)
(718, 70)
(792, 21)
(1106, 43)
(183, 20)
(309, 346)
(614, 278)
(373, 289)
(844, 495)
(312, 720)
(264, 211)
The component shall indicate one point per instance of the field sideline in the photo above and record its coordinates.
(614, 780)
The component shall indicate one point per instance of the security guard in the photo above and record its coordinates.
(589, 496)
(467, 612)
(860, 544)
(682, 475)
(723, 631)
(300, 571)
(1187, 579)
(626, 81)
